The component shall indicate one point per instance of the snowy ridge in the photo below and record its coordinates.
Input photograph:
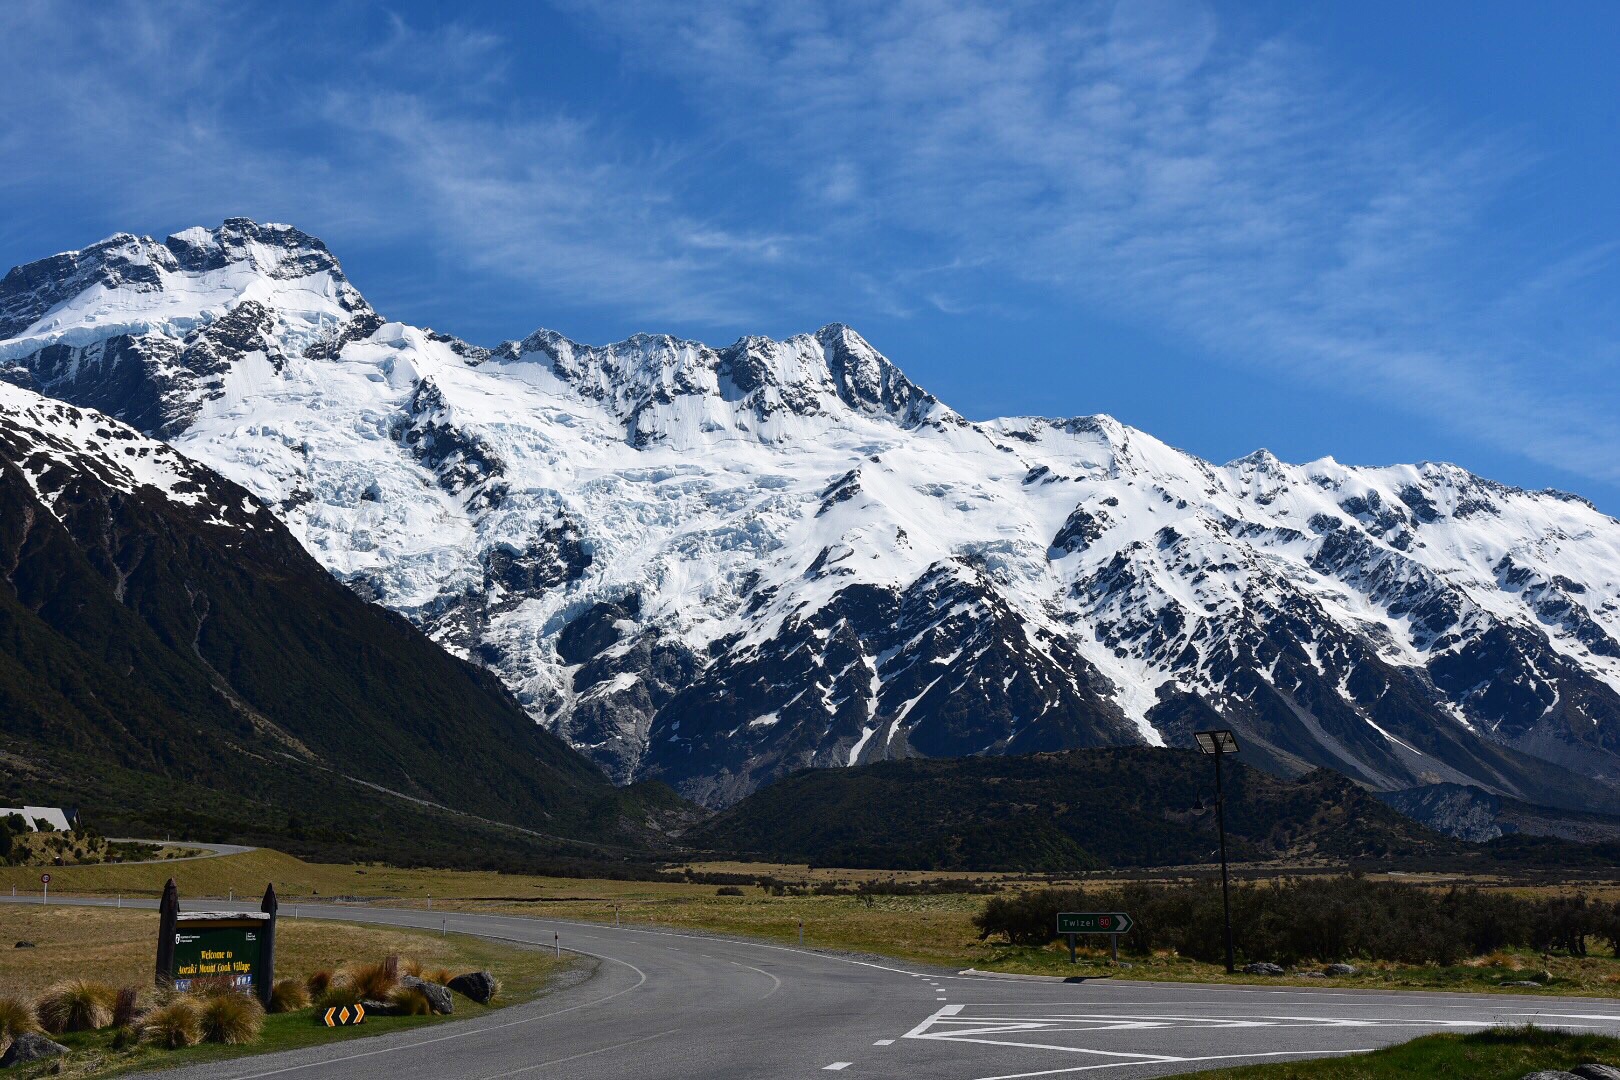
(714, 565)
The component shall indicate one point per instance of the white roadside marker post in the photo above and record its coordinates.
(801, 933)
(556, 940)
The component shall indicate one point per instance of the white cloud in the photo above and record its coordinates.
(1242, 193)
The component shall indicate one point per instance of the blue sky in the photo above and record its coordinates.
(1380, 231)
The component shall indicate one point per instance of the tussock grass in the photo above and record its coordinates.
(173, 1025)
(288, 995)
(409, 1001)
(442, 976)
(16, 1018)
(372, 980)
(230, 1018)
(76, 1005)
(318, 982)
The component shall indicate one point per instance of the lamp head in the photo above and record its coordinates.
(1216, 742)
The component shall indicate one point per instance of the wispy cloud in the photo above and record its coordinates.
(1138, 160)
(1241, 192)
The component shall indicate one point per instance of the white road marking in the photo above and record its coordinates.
(1168, 1060)
(884, 1042)
(837, 1066)
(1005, 1026)
(776, 984)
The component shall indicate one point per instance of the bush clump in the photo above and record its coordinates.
(76, 1005)
(16, 1018)
(288, 995)
(231, 1018)
(318, 982)
(409, 1001)
(1317, 920)
(172, 1026)
(373, 981)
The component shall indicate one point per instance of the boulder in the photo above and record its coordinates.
(1525, 985)
(438, 996)
(1549, 1074)
(1596, 1071)
(30, 1046)
(25, 945)
(1339, 969)
(478, 985)
(1260, 967)
(377, 1008)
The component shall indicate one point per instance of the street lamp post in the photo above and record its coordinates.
(1219, 744)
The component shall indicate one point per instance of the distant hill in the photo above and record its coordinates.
(172, 661)
(1082, 809)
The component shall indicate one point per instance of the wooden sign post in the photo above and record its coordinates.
(236, 948)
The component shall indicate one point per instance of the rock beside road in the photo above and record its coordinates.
(438, 996)
(1262, 968)
(1550, 1074)
(1340, 969)
(479, 986)
(25, 945)
(30, 1046)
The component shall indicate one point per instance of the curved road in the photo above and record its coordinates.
(665, 1004)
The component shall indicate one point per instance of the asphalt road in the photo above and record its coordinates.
(209, 851)
(664, 1004)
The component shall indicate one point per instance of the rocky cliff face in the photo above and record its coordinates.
(716, 565)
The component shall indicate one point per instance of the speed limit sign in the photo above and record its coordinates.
(44, 879)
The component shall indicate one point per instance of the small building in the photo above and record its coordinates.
(58, 819)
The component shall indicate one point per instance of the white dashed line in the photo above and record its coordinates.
(884, 1042)
(836, 1066)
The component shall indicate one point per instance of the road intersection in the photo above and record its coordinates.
(669, 1004)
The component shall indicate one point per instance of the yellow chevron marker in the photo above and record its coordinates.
(329, 1014)
(359, 1012)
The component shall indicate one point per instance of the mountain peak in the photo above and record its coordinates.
(666, 388)
(135, 284)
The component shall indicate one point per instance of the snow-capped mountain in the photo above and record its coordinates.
(716, 565)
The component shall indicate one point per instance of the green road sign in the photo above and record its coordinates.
(1094, 922)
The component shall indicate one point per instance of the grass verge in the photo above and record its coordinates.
(118, 947)
(1494, 1054)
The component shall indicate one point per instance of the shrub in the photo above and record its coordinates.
(288, 995)
(410, 1001)
(442, 976)
(233, 1018)
(16, 1018)
(728, 890)
(173, 1025)
(1316, 919)
(373, 981)
(123, 1037)
(76, 1005)
(318, 982)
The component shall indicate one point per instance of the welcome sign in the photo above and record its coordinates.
(223, 947)
(231, 948)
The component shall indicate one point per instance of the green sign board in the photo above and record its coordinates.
(226, 950)
(1094, 922)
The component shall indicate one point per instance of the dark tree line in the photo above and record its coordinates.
(1319, 919)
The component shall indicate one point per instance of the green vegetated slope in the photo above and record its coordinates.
(1123, 807)
(190, 670)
